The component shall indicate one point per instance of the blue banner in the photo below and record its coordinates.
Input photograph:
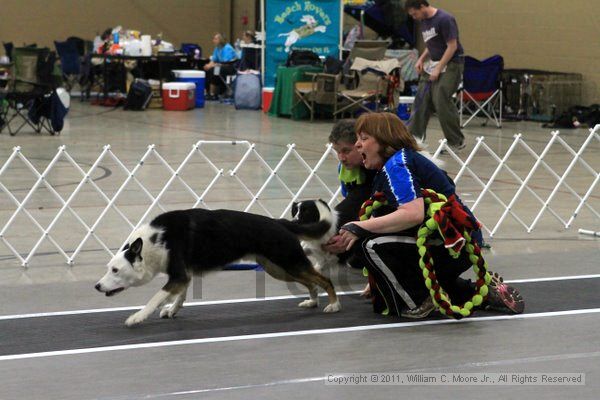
(307, 25)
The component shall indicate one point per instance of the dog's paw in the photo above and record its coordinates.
(309, 303)
(164, 312)
(333, 307)
(135, 319)
(168, 311)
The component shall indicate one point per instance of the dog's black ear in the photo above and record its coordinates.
(294, 209)
(136, 246)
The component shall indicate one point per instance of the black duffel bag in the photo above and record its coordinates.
(139, 95)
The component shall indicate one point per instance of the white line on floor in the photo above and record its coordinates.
(554, 278)
(224, 389)
(190, 304)
(251, 300)
(293, 333)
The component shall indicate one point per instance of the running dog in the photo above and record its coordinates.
(310, 27)
(187, 242)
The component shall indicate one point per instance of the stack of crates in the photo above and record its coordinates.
(540, 95)
(553, 93)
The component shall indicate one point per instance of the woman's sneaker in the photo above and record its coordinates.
(419, 312)
(503, 298)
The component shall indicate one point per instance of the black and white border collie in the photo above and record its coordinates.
(187, 242)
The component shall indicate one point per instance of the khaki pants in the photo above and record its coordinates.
(437, 97)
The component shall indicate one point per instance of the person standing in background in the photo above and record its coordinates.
(441, 67)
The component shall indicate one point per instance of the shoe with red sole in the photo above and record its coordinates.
(502, 297)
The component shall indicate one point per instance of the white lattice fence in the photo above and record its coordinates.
(66, 209)
(240, 179)
(555, 182)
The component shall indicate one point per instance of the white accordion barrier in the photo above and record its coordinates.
(84, 211)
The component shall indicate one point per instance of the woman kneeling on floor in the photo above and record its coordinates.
(384, 240)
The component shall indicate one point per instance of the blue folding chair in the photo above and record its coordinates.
(194, 51)
(70, 63)
(8, 48)
(480, 94)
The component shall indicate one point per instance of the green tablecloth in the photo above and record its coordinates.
(283, 95)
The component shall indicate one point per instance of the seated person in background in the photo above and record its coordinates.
(249, 52)
(248, 37)
(219, 66)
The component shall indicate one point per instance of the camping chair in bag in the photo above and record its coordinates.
(30, 91)
(480, 93)
(70, 63)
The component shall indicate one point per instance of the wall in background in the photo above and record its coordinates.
(243, 8)
(542, 34)
(552, 35)
(43, 21)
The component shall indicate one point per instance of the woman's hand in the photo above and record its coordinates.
(347, 239)
(335, 245)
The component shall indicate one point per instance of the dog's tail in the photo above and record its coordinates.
(311, 230)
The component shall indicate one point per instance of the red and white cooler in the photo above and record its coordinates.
(179, 96)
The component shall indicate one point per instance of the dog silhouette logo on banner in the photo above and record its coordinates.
(311, 26)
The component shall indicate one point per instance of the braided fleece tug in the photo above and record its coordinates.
(434, 203)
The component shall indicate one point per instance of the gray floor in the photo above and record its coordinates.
(288, 357)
